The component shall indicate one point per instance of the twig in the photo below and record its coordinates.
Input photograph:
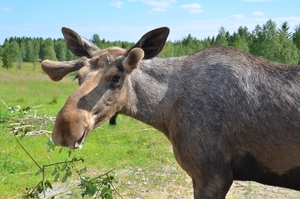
(4, 103)
(116, 191)
(28, 153)
(135, 192)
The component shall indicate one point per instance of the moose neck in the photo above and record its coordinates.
(153, 90)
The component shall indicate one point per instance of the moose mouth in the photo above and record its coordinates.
(79, 143)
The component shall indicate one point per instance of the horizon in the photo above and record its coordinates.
(128, 20)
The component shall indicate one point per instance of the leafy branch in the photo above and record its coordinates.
(97, 187)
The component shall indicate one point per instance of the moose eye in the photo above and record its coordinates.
(115, 81)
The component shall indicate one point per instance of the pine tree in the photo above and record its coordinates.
(288, 52)
(296, 39)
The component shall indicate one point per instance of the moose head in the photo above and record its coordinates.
(103, 82)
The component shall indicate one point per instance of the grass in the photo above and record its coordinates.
(142, 157)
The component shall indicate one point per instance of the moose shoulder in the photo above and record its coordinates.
(228, 114)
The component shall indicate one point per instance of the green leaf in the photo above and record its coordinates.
(48, 184)
(54, 171)
(56, 177)
(64, 167)
(91, 190)
(64, 179)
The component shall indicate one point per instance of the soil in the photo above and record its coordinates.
(138, 184)
(241, 190)
(238, 190)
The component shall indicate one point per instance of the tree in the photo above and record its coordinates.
(20, 63)
(274, 45)
(191, 44)
(206, 42)
(265, 41)
(221, 39)
(96, 40)
(60, 50)
(29, 54)
(288, 52)
(7, 58)
(284, 30)
(241, 39)
(22, 49)
(168, 50)
(296, 36)
(36, 49)
(296, 39)
(239, 43)
(70, 56)
(1, 51)
(47, 50)
(126, 45)
(270, 45)
(15, 50)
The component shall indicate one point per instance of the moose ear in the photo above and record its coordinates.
(153, 42)
(133, 59)
(79, 45)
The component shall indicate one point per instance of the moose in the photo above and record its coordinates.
(229, 115)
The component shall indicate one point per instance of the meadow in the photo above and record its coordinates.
(138, 157)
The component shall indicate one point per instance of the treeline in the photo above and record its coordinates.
(279, 44)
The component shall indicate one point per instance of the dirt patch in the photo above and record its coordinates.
(238, 190)
(246, 190)
(173, 183)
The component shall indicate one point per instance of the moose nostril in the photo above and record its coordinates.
(64, 144)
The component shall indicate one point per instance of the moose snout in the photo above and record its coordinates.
(70, 131)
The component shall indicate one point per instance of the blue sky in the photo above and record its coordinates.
(128, 20)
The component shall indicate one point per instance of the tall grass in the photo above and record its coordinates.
(142, 157)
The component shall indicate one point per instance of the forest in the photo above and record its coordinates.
(275, 43)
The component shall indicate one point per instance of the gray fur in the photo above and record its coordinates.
(228, 114)
(218, 106)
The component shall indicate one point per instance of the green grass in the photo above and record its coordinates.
(135, 150)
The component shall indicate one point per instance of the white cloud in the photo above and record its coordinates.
(159, 6)
(7, 9)
(117, 4)
(193, 8)
(238, 16)
(258, 14)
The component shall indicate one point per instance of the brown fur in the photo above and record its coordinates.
(228, 114)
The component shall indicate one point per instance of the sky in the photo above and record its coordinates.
(128, 20)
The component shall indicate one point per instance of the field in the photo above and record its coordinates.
(141, 157)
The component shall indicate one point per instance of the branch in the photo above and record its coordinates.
(28, 153)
